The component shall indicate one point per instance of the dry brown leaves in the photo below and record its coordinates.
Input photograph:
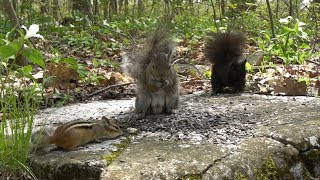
(287, 80)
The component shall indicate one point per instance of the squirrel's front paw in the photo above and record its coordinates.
(172, 111)
(139, 115)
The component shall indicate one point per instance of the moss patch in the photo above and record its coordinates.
(121, 147)
(191, 177)
(268, 170)
(241, 176)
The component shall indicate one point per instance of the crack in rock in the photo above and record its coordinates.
(214, 162)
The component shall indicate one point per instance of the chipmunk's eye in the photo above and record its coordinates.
(169, 67)
(153, 67)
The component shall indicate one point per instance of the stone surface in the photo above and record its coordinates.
(154, 159)
(212, 137)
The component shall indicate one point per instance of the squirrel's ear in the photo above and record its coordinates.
(169, 53)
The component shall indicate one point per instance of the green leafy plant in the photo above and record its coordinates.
(19, 101)
(289, 45)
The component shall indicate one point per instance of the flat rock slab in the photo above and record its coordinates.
(212, 137)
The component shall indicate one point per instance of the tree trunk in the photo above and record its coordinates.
(277, 8)
(43, 6)
(290, 8)
(8, 9)
(120, 6)
(126, 7)
(113, 7)
(223, 8)
(55, 10)
(140, 7)
(271, 20)
(214, 15)
(14, 4)
(83, 6)
(152, 8)
(95, 7)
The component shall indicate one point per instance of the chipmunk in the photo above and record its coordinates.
(75, 133)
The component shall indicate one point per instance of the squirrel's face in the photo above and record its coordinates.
(160, 67)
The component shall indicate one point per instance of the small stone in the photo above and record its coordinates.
(132, 130)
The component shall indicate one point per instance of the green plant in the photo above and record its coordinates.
(19, 102)
(289, 45)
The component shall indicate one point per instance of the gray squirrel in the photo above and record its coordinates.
(156, 79)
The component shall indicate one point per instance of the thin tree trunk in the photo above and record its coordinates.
(126, 7)
(277, 8)
(214, 15)
(14, 4)
(297, 9)
(8, 9)
(55, 10)
(43, 6)
(133, 9)
(140, 7)
(290, 8)
(222, 6)
(120, 4)
(95, 7)
(113, 7)
(271, 20)
(167, 7)
(152, 7)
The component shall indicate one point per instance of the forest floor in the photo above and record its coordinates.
(93, 78)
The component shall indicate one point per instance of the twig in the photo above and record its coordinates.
(196, 81)
(316, 63)
(182, 59)
(103, 89)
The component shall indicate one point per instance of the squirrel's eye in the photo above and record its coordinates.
(153, 67)
(169, 67)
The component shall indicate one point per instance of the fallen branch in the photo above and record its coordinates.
(316, 63)
(194, 81)
(103, 89)
(183, 59)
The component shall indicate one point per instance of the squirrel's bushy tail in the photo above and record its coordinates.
(224, 48)
(158, 41)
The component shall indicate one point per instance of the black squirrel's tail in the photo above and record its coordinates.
(224, 48)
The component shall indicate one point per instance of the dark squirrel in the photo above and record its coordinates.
(225, 52)
(157, 81)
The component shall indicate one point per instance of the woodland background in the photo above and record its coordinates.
(55, 52)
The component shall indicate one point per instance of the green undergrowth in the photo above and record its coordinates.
(18, 103)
